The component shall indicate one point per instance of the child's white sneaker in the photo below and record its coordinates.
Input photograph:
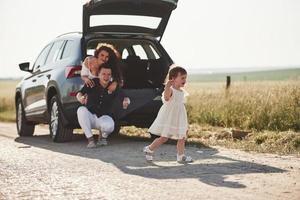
(148, 153)
(91, 144)
(184, 159)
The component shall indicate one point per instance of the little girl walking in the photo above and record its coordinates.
(171, 121)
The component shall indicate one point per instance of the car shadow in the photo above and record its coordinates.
(126, 154)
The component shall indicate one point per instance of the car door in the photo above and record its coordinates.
(42, 73)
(30, 86)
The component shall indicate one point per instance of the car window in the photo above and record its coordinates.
(67, 52)
(143, 49)
(54, 52)
(139, 51)
(125, 54)
(125, 20)
(154, 52)
(90, 52)
(40, 61)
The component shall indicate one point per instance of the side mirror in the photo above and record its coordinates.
(25, 67)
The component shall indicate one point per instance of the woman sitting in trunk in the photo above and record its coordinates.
(104, 53)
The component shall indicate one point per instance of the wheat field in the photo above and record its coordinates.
(7, 106)
(270, 110)
(259, 105)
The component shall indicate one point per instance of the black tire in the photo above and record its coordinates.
(24, 127)
(59, 132)
(116, 129)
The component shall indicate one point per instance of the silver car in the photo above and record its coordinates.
(47, 94)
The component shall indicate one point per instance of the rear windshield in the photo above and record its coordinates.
(143, 49)
(141, 64)
(126, 20)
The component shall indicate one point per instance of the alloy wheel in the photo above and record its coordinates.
(54, 119)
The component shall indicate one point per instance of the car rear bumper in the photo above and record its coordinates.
(142, 117)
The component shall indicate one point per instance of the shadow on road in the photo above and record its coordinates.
(126, 154)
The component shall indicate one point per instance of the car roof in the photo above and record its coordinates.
(69, 35)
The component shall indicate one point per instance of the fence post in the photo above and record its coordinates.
(228, 81)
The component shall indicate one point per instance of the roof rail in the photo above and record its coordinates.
(69, 33)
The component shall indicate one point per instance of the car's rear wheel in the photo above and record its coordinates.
(116, 129)
(24, 127)
(59, 132)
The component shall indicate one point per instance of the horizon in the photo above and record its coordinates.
(213, 71)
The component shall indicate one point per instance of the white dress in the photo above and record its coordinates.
(171, 121)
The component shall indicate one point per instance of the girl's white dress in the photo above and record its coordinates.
(171, 121)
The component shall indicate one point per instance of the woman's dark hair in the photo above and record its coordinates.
(105, 66)
(113, 60)
(173, 73)
(111, 55)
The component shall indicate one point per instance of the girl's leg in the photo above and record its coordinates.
(157, 142)
(181, 157)
(180, 146)
(149, 150)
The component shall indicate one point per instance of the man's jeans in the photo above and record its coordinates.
(89, 121)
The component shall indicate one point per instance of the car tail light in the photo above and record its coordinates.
(73, 94)
(72, 71)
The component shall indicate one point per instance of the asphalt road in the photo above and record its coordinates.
(37, 168)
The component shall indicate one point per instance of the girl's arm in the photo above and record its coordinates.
(168, 90)
(85, 73)
(86, 62)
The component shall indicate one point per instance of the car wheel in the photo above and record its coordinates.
(116, 130)
(24, 128)
(59, 132)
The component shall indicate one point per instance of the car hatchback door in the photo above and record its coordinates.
(138, 17)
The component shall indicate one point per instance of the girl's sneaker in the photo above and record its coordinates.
(184, 159)
(148, 153)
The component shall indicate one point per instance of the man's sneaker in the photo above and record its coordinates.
(148, 153)
(91, 144)
(184, 159)
(102, 142)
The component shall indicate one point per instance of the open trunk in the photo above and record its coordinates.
(135, 28)
(144, 65)
(131, 16)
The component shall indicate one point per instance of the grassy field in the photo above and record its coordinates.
(269, 110)
(7, 106)
(257, 105)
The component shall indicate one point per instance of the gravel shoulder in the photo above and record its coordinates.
(36, 168)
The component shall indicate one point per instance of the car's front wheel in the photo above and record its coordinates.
(59, 132)
(24, 127)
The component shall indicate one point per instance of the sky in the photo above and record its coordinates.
(201, 35)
